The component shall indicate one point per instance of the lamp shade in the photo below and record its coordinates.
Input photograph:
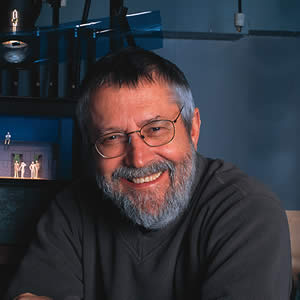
(19, 15)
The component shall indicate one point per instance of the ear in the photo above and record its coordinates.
(195, 130)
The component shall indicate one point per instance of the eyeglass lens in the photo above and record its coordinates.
(154, 134)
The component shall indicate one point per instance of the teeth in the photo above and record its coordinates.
(147, 178)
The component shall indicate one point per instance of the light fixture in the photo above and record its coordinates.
(239, 18)
(19, 15)
(14, 51)
(16, 18)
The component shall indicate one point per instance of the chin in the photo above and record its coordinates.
(152, 206)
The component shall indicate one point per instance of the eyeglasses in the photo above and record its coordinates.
(154, 134)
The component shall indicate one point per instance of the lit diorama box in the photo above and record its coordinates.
(39, 150)
(36, 148)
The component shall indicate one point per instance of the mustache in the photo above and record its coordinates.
(131, 172)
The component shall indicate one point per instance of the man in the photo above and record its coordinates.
(160, 221)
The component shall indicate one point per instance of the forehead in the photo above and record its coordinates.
(110, 105)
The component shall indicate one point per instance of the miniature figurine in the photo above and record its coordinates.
(7, 138)
(22, 168)
(16, 169)
(32, 170)
(37, 168)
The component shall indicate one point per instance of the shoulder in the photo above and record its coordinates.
(77, 190)
(77, 198)
(232, 207)
(222, 179)
(70, 212)
(239, 225)
(226, 192)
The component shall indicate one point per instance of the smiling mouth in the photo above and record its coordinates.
(139, 180)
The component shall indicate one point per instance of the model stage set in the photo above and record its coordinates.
(26, 160)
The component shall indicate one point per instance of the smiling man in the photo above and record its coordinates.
(154, 219)
(146, 172)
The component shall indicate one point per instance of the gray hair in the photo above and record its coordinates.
(128, 67)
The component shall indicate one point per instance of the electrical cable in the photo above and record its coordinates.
(86, 10)
(55, 15)
(240, 6)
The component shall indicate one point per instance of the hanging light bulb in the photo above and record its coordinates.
(15, 20)
(239, 18)
(17, 16)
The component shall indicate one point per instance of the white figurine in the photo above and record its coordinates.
(32, 169)
(7, 138)
(22, 168)
(37, 168)
(16, 169)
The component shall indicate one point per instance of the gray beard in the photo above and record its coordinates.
(177, 197)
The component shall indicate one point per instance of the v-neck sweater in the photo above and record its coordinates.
(232, 242)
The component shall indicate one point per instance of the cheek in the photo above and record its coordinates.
(174, 154)
(178, 148)
(107, 166)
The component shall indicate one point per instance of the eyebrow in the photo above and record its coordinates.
(142, 123)
(104, 131)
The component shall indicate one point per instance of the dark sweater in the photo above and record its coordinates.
(231, 243)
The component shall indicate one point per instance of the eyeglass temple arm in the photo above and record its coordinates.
(178, 114)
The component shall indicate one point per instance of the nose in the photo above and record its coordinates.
(139, 154)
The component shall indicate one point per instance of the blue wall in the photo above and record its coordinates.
(30, 128)
(248, 95)
(196, 15)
